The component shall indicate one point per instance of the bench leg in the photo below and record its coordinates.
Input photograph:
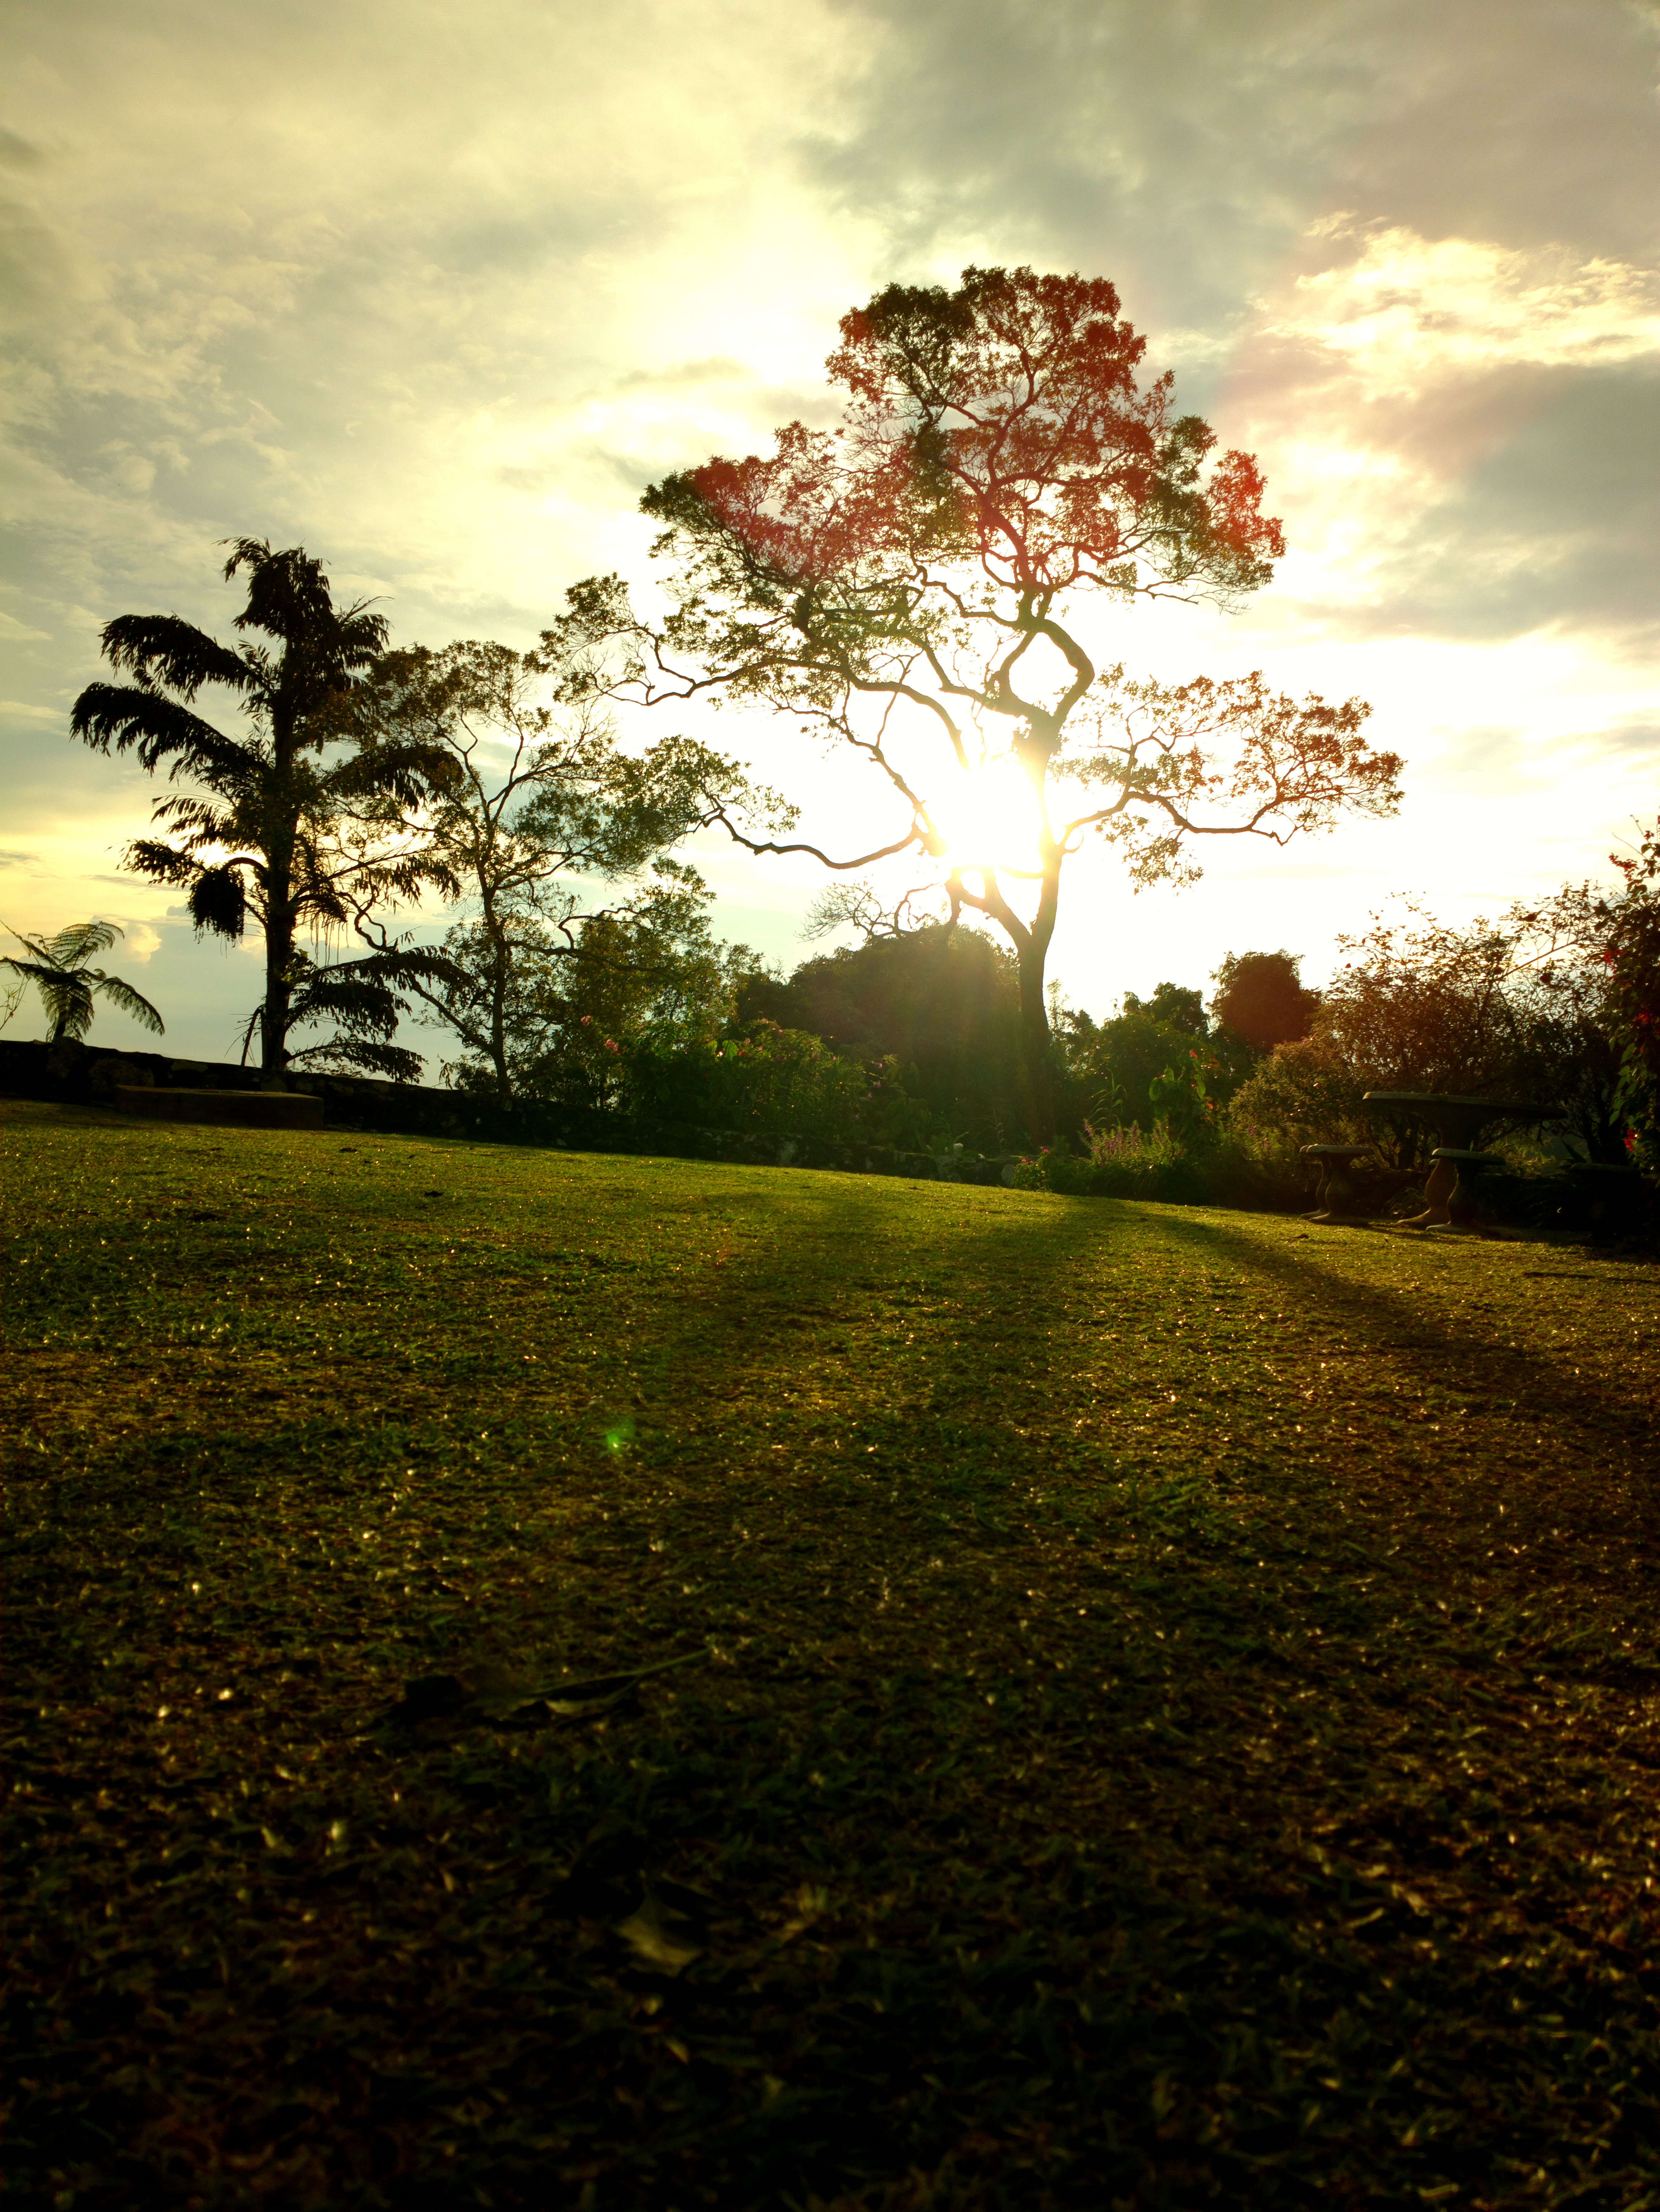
(1442, 1181)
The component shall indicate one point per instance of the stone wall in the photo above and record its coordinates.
(89, 1074)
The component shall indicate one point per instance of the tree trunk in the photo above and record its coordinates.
(1032, 951)
(1036, 1056)
(273, 1013)
(498, 1046)
(501, 977)
(279, 913)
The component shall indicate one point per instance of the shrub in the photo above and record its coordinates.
(943, 1003)
(1524, 1008)
(1139, 1067)
(771, 1078)
(1128, 1162)
(1307, 1093)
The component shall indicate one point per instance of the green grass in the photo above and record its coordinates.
(1176, 1721)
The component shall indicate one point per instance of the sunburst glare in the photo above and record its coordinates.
(989, 818)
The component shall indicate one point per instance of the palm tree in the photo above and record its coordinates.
(273, 831)
(67, 985)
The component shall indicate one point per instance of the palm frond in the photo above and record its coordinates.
(64, 994)
(36, 971)
(162, 649)
(362, 1002)
(72, 947)
(38, 946)
(122, 994)
(422, 872)
(315, 895)
(289, 597)
(207, 824)
(422, 962)
(162, 863)
(363, 1056)
(408, 773)
(125, 714)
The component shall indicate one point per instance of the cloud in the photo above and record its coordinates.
(247, 293)
(1464, 438)
(1404, 252)
(140, 942)
(17, 152)
(1406, 310)
(1182, 149)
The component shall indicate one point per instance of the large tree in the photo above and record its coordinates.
(544, 805)
(273, 831)
(912, 585)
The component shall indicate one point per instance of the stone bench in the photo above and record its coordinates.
(1335, 1198)
(248, 1110)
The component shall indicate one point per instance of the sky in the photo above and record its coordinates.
(437, 292)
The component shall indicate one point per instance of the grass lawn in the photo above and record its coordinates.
(1169, 1713)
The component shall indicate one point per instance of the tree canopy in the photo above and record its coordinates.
(544, 804)
(1259, 997)
(1178, 1005)
(909, 587)
(943, 1003)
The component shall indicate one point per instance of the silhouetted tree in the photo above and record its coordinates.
(1178, 1005)
(61, 971)
(542, 795)
(905, 585)
(1122, 1070)
(1260, 997)
(945, 1003)
(648, 977)
(272, 831)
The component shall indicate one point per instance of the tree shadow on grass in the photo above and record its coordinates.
(1602, 1467)
(1004, 1893)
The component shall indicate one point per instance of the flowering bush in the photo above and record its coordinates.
(1308, 1092)
(1630, 954)
(1126, 1162)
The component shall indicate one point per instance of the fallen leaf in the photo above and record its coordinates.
(658, 1935)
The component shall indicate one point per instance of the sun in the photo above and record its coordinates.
(989, 818)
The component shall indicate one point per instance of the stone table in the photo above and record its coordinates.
(1457, 1121)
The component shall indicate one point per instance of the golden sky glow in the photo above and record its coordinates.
(437, 292)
